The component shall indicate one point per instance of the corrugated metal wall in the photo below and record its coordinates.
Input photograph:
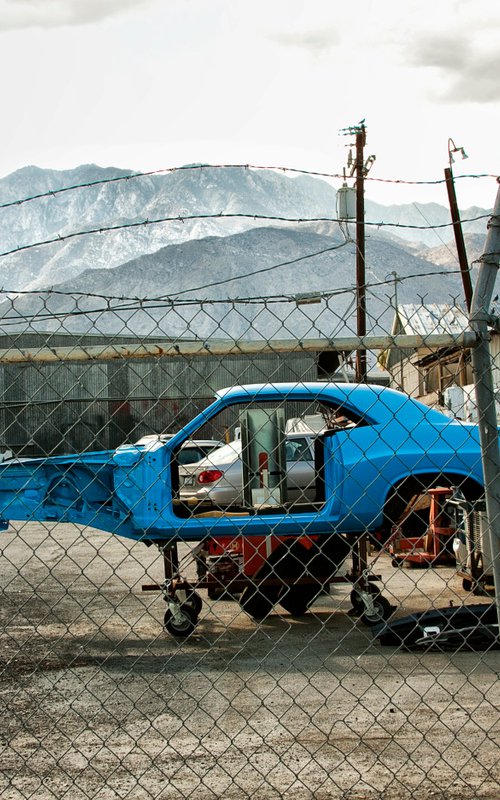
(71, 407)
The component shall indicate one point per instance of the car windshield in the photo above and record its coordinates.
(298, 450)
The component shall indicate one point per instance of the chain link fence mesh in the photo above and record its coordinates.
(163, 663)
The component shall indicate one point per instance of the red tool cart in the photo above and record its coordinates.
(260, 572)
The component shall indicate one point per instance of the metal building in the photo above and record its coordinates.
(72, 406)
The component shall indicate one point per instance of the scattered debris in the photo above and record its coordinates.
(473, 627)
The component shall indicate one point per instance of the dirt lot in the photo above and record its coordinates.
(97, 701)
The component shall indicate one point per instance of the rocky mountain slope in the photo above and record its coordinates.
(184, 193)
(214, 286)
(446, 254)
(205, 265)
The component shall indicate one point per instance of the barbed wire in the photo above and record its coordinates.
(257, 167)
(190, 217)
(135, 304)
(188, 301)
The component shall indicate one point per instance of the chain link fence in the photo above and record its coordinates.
(305, 612)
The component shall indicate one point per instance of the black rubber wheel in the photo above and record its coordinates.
(185, 626)
(357, 602)
(258, 602)
(194, 601)
(296, 600)
(382, 610)
(467, 585)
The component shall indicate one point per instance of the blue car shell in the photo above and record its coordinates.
(396, 444)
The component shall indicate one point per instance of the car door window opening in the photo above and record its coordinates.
(224, 483)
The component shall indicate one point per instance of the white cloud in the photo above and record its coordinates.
(462, 45)
(252, 81)
(468, 72)
(18, 14)
(315, 40)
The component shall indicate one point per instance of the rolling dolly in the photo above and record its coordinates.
(360, 483)
(261, 572)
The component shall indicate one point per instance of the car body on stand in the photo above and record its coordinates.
(379, 448)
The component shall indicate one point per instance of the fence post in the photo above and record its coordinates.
(485, 395)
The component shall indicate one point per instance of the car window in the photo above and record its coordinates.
(192, 452)
(208, 448)
(189, 455)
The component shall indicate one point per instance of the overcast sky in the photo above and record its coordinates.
(149, 84)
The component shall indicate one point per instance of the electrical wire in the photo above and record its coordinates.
(445, 244)
(262, 270)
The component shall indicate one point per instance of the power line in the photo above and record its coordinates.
(263, 269)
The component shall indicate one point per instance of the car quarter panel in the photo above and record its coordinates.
(376, 458)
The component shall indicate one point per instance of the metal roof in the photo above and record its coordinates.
(413, 318)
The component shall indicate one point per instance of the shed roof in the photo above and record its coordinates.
(413, 318)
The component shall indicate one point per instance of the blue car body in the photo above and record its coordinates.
(131, 491)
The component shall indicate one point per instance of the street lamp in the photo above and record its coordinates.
(453, 149)
(457, 225)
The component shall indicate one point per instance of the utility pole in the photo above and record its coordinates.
(480, 318)
(360, 251)
(457, 224)
(359, 170)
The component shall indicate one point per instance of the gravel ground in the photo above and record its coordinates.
(97, 701)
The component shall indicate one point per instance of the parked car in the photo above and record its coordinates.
(218, 478)
(191, 451)
(379, 449)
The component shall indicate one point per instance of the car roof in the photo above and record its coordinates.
(377, 404)
(165, 437)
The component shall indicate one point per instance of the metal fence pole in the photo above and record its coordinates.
(485, 395)
(185, 348)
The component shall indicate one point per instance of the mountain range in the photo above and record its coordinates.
(230, 262)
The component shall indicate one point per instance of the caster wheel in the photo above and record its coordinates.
(357, 601)
(194, 601)
(467, 585)
(180, 627)
(382, 610)
(187, 596)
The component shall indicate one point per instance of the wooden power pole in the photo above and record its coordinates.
(359, 167)
(361, 372)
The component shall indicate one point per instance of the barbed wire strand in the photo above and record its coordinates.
(168, 299)
(133, 305)
(201, 167)
(221, 216)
